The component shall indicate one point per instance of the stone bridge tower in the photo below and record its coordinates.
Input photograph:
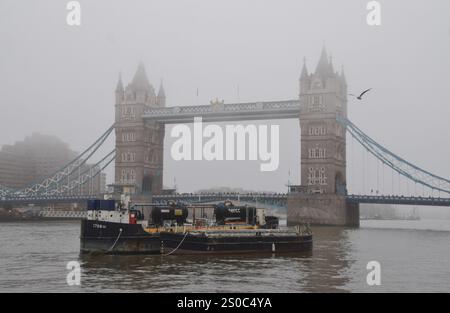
(321, 197)
(139, 143)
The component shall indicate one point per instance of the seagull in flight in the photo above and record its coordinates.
(362, 94)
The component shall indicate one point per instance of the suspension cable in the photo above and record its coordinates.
(396, 163)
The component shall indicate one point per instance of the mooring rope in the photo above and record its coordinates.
(114, 244)
(179, 245)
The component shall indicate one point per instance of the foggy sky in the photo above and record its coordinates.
(60, 80)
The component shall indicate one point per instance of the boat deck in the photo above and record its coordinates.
(248, 232)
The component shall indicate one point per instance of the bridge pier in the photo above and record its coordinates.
(320, 199)
(321, 209)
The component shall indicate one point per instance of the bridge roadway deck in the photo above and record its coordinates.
(223, 112)
(279, 199)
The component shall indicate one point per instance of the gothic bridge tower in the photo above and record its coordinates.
(320, 199)
(139, 143)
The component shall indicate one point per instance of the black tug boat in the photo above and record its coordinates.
(114, 228)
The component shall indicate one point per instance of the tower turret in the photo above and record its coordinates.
(343, 83)
(305, 80)
(140, 90)
(161, 98)
(324, 67)
(119, 90)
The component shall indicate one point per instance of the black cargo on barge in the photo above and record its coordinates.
(236, 241)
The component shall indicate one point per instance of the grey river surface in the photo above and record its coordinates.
(414, 256)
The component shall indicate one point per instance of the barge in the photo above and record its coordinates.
(114, 228)
(214, 241)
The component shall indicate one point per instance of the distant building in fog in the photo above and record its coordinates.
(37, 157)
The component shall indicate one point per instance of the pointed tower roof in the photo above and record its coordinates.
(324, 67)
(304, 70)
(161, 92)
(331, 63)
(342, 72)
(119, 86)
(140, 80)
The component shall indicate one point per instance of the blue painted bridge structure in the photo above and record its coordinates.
(58, 189)
(271, 199)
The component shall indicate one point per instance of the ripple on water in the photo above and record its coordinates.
(414, 257)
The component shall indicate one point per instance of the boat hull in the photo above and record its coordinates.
(116, 238)
(173, 243)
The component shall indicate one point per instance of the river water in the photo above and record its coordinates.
(414, 256)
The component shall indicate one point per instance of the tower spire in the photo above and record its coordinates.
(343, 79)
(331, 63)
(324, 67)
(161, 92)
(119, 86)
(304, 70)
(140, 80)
(119, 90)
(161, 98)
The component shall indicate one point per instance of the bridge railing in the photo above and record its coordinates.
(278, 199)
(223, 107)
(406, 200)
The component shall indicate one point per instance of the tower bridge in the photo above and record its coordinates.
(323, 196)
(141, 116)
